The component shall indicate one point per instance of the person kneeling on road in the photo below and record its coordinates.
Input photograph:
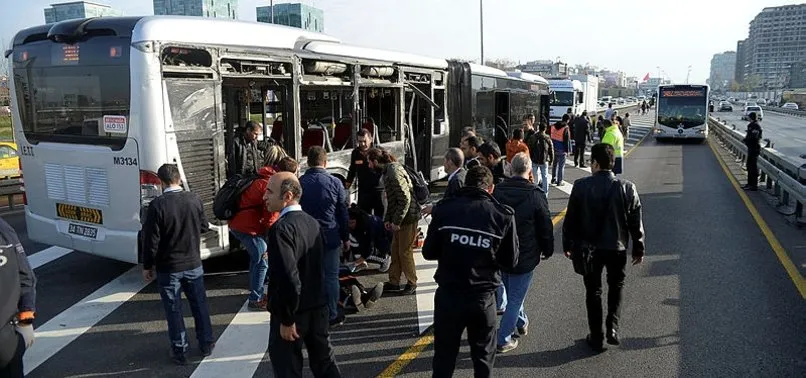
(372, 240)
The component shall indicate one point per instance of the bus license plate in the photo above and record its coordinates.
(89, 232)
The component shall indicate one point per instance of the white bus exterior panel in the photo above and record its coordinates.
(206, 31)
(528, 77)
(338, 49)
(487, 71)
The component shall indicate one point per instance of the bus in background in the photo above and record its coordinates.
(99, 104)
(682, 112)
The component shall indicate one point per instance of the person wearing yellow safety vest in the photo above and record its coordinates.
(613, 137)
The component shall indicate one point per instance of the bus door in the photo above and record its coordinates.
(419, 120)
(502, 119)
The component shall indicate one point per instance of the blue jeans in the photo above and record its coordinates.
(558, 168)
(258, 265)
(516, 286)
(500, 298)
(543, 170)
(330, 271)
(191, 282)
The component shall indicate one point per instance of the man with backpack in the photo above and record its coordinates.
(402, 215)
(582, 135)
(541, 150)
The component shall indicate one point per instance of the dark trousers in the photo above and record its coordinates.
(752, 169)
(579, 153)
(453, 312)
(191, 282)
(615, 262)
(12, 348)
(313, 328)
(371, 202)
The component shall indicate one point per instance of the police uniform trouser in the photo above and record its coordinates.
(12, 347)
(371, 202)
(313, 327)
(455, 310)
(752, 168)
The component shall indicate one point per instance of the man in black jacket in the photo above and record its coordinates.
(604, 213)
(536, 238)
(752, 140)
(172, 238)
(245, 157)
(297, 302)
(490, 156)
(454, 162)
(17, 303)
(582, 135)
(370, 187)
(473, 237)
(470, 147)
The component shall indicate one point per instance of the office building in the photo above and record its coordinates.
(723, 69)
(293, 14)
(776, 40)
(797, 75)
(199, 8)
(78, 9)
(740, 68)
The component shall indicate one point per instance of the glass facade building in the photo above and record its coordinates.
(78, 9)
(296, 15)
(199, 8)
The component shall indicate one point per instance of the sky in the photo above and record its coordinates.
(628, 35)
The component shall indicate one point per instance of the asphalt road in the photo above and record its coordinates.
(711, 299)
(788, 133)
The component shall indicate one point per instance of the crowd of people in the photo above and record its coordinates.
(488, 232)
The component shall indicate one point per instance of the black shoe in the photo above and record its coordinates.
(750, 188)
(409, 289)
(179, 358)
(390, 287)
(595, 343)
(522, 331)
(612, 337)
(207, 350)
(338, 322)
(583, 166)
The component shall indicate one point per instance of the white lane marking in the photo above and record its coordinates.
(62, 329)
(426, 285)
(47, 255)
(240, 349)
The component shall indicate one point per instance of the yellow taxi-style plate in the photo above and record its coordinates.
(78, 213)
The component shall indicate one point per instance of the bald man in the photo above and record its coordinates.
(298, 307)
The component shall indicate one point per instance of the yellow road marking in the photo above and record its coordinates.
(789, 266)
(428, 338)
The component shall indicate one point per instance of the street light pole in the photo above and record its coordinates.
(271, 4)
(481, 28)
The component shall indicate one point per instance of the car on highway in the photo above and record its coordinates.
(790, 106)
(752, 109)
(9, 160)
(725, 106)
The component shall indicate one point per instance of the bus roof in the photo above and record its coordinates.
(203, 30)
(339, 49)
(486, 70)
(528, 77)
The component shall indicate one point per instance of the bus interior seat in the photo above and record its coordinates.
(277, 131)
(342, 134)
(314, 135)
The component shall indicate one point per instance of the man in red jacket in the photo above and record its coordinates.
(252, 222)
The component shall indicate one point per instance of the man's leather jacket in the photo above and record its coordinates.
(585, 219)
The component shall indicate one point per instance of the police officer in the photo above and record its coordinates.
(17, 298)
(473, 237)
(752, 140)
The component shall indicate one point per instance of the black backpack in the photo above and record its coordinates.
(419, 186)
(225, 204)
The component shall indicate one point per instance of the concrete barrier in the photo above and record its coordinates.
(10, 188)
(793, 112)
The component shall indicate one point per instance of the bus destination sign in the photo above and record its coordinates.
(682, 93)
(69, 54)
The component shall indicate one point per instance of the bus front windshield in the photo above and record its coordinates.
(64, 91)
(688, 111)
(563, 99)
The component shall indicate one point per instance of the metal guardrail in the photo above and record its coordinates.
(775, 109)
(11, 188)
(784, 178)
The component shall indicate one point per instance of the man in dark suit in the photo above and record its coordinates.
(297, 302)
(454, 162)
